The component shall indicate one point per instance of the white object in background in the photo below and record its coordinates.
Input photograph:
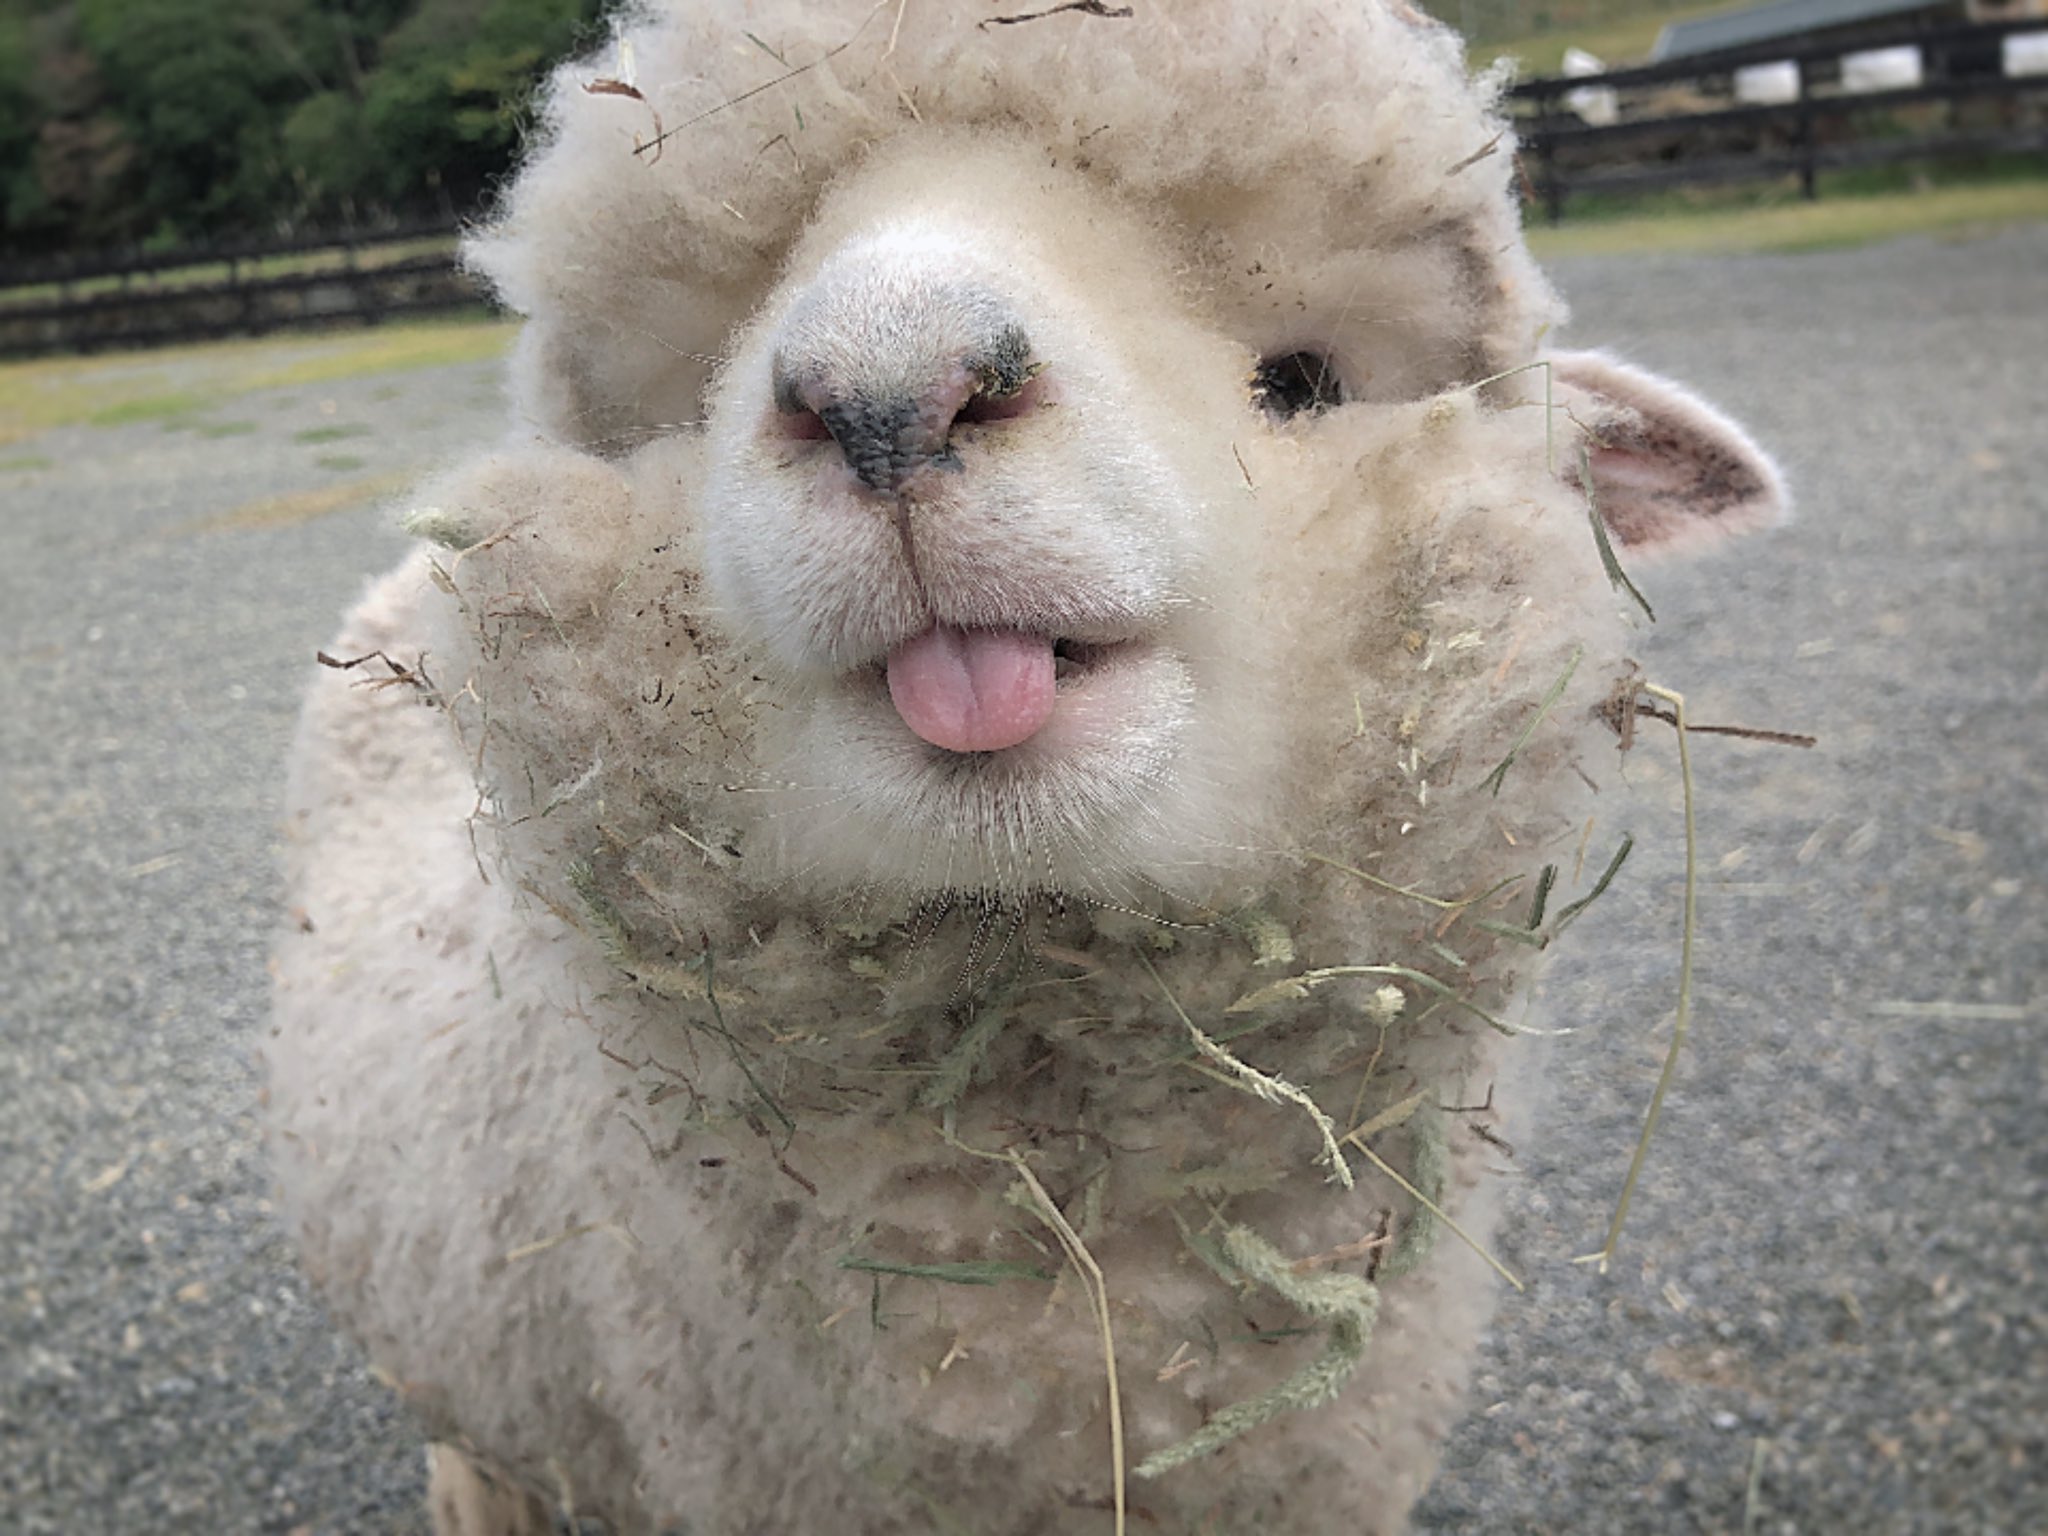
(1594, 104)
(2026, 53)
(1882, 69)
(1768, 85)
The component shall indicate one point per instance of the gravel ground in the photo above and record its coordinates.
(1827, 1315)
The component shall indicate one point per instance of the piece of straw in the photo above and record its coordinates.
(1500, 773)
(1260, 1085)
(1432, 1170)
(1434, 1209)
(1299, 986)
(1348, 1303)
(1635, 1166)
(1098, 1300)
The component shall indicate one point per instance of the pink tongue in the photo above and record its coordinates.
(973, 690)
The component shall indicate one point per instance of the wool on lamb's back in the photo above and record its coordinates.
(679, 1032)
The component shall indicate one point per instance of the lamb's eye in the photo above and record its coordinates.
(1296, 382)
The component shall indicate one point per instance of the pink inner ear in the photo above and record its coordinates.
(1627, 470)
(1670, 472)
(1645, 495)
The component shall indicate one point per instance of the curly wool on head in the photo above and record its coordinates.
(1041, 604)
(1324, 175)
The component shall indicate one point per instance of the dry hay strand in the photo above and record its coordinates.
(1035, 1199)
(1348, 1303)
(1687, 928)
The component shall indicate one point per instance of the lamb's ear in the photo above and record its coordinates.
(1670, 473)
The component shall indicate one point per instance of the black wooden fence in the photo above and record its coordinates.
(1681, 122)
(108, 299)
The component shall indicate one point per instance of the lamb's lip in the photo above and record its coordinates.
(1081, 651)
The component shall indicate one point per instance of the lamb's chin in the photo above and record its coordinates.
(1102, 803)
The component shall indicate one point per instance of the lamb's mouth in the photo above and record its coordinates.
(1074, 661)
(978, 691)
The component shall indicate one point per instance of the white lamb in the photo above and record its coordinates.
(1035, 638)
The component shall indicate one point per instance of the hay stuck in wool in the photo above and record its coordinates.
(1034, 637)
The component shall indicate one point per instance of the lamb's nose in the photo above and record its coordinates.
(888, 363)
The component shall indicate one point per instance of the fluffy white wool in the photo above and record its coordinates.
(680, 971)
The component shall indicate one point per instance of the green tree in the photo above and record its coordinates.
(168, 119)
(203, 89)
(19, 117)
(333, 170)
(63, 153)
(445, 107)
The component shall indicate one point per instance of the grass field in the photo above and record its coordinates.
(1794, 225)
(180, 382)
(1617, 35)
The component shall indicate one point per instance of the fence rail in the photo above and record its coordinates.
(1667, 125)
(101, 300)
(66, 268)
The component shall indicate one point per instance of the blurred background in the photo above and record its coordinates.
(153, 123)
(232, 333)
(174, 169)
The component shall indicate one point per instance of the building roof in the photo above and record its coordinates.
(1774, 19)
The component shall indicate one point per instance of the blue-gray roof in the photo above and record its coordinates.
(1778, 18)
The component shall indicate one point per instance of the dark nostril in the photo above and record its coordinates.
(794, 417)
(983, 406)
(801, 425)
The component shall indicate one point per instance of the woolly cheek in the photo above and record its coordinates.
(800, 566)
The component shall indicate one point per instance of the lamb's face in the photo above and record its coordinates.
(982, 523)
(1095, 496)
